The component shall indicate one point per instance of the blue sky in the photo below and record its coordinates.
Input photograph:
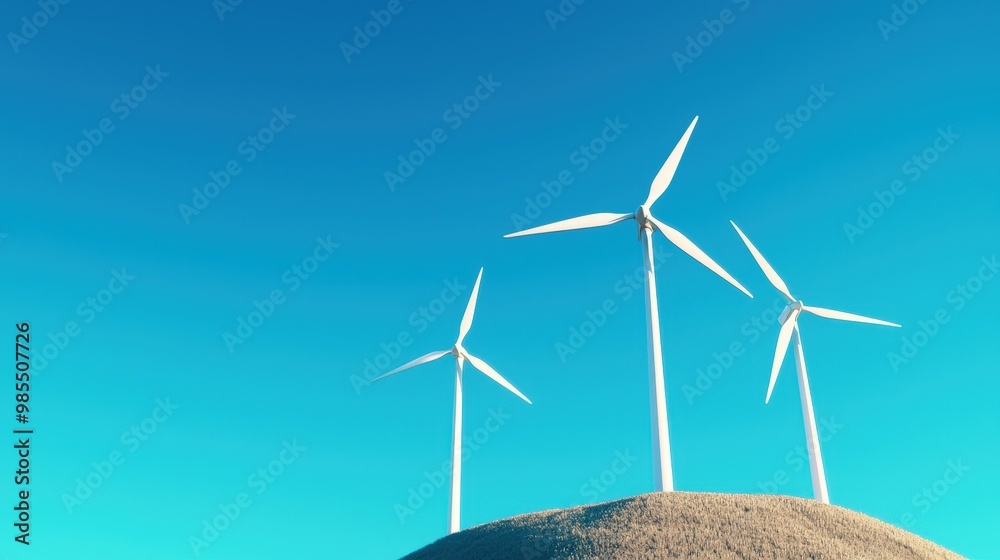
(200, 224)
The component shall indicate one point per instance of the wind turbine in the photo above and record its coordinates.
(461, 354)
(789, 331)
(662, 472)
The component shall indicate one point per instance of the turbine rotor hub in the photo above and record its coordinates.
(456, 350)
(641, 216)
(788, 310)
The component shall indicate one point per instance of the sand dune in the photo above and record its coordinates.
(687, 525)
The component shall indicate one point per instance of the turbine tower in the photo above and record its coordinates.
(461, 354)
(790, 332)
(662, 472)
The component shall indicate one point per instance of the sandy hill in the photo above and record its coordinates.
(687, 525)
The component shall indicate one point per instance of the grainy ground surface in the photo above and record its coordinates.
(687, 525)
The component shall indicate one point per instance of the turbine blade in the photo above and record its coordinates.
(666, 173)
(421, 360)
(470, 310)
(685, 244)
(784, 336)
(582, 222)
(492, 374)
(833, 314)
(772, 276)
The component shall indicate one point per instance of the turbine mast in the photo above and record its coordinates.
(663, 477)
(454, 508)
(809, 419)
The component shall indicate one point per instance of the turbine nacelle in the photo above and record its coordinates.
(787, 311)
(790, 314)
(459, 352)
(645, 219)
(643, 216)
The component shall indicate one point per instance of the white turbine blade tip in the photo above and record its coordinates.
(494, 375)
(666, 173)
(844, 316)
(776, 369)
(470, 309)
(780, 349)
(688, 246)
(580, 222)
(384, 375)
(419, 361)
(742, 289)
(765, 267)
(770, 389)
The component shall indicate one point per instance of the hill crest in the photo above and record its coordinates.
(687, 525)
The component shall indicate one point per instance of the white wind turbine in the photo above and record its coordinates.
(461, 354)
(662, 472)
(790, 330)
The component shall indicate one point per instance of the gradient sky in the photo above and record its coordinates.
(211, 77)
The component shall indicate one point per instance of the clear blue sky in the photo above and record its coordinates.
(246, 146)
